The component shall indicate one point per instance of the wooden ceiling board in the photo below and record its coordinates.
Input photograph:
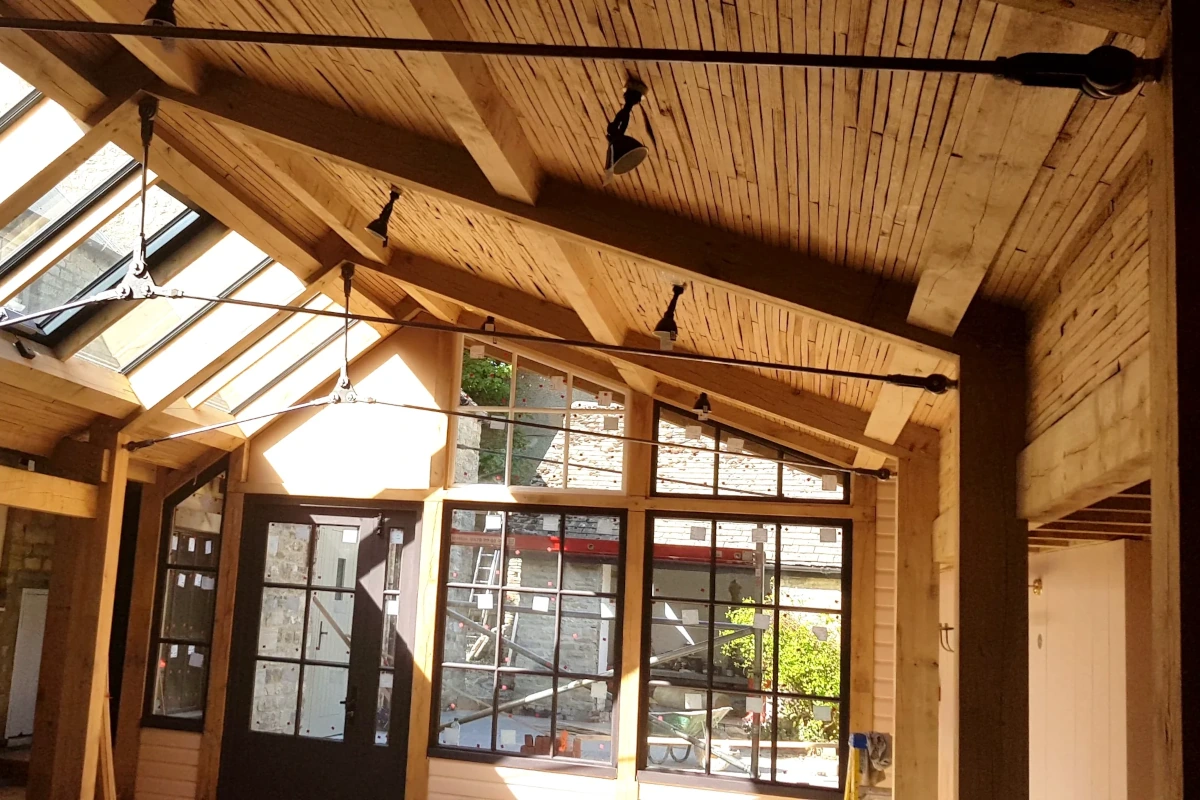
(373, 84)
(33, 424)
(89, 51)
(384, 289)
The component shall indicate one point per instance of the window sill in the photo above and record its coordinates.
(739, 785)
(560, 766)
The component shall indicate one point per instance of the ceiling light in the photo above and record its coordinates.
(667, 330)
(702, 408)
(380, 226)
(624, 152)
(162, 15)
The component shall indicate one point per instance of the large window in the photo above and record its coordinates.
(189, 555)
(511, 395)
(530, 634)
(737, 465)
(745, 672)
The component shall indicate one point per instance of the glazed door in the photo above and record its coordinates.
(321, 665)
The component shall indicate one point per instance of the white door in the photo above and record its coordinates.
(27, 660)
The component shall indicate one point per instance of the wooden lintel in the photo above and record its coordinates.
(38, 492)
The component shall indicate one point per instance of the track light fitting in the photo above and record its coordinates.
(379, 228)
(703, 408)
(162, 15)
(624, 152)
(667, 330)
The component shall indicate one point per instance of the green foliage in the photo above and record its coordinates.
(807, 665)
(486, 381)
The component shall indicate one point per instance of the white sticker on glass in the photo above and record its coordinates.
(604, 526)
(302, 534)
(820, 632)
(174, 650)
(350, 536)
(493, 522)
(829, 482)
(541, 603)
(823, 713)
(396, 536)
(599, 691)
(735, 444)
(196, 660)
(612, 423)
(181, 580)
(174, 542)
(691, 432)
(391, 607)
(508, 736)
(476, 351)
(484, 601)
(208, 583)
(607, 610)
(699, 533)
(495, 424)
(385, 680)
(550, 522)
(197, 579)
(272, 545)
(191, 545)
(693, 701)
(758, 535)
(208, 547)
(754, 705)
(604, 399)
(762, 621)
(451, 735)
(691, 616)
(828, 534)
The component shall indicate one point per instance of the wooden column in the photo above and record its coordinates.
(1173, 114)
(916, 738)
(639, 422)
(85, 659)
(137, 647)
(993, 626)
(862, 609)
(416, 778)
(208, 768)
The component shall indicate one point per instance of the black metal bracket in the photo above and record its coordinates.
(1103, 73)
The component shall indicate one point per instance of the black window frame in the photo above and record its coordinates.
(23, 106)
(163, 567)
(553, 763)
(781, 452)
(734, 783)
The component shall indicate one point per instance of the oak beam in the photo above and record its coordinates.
(36, 491)
(894, 405)
(1098, 448)
(694, 251)
(168, 61)
(85, 659)
(1135, 17)
(1173, 113)
(42, 62)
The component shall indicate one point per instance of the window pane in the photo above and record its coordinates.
(469, 635)
(481, 449)
(810, 653)
(329, 624)
(744, 658)
(391, 616)
(809, 733)
(335, 559)
(180, 680)
(596, 462)
(741, 745)
(539, 386)
(465, 707)
(281, 622)
(276, 690)
(287, 553)
(743, 476)
(684, 471)
(383, 708)
(813, 483)
(70, 191)
(591, 560)
(528, 632)
(537, 452)
(682, 553)
(524, 725)
(188, 605)
(588, 640)
(486, 376)
(745, 561)
(323, 703)
(678, 645)
(585, 720)
(475, 547)
(585, 394)
(531, 550)
(196, 526)
(212, 273)
(13, 89)
(99, 253)
(811, 567)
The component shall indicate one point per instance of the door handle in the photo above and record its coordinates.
(351, 703)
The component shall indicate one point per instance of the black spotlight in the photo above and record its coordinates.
(162, 15)
(624, 152)
(702, 408)
(380, 226)
(667, 330)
